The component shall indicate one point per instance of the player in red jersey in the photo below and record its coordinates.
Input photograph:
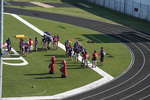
(94, 59)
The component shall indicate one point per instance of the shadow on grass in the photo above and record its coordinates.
(74, 68)
(99, 38)
(49, 77)
(36, 74)
(125, 37)
(56, 55)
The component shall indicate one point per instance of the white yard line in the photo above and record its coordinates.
(106, 77)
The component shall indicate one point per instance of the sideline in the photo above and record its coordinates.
(106, 77)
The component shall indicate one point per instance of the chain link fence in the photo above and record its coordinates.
(131, 7)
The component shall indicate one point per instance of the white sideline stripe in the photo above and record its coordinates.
(106, 77)
(101, 72)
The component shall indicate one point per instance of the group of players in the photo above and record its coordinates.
(76, 50)
(48, 41)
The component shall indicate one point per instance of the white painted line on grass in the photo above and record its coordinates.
(14, 51)
(99, 71)
(23, 63)
(106, 77)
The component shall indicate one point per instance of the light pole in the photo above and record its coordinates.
(1, 44)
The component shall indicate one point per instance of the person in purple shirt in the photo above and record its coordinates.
(21, 42)
(8, 45)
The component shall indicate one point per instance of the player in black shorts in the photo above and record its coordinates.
(102, 54)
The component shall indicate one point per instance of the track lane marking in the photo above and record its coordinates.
(134, 75)
(122, 82)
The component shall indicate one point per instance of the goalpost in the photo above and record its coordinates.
(1, 44)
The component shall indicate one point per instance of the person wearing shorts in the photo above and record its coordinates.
(8, 45)
(102, 53)
(94, 59)
(35, 44)
(77, 53)
(85, 57)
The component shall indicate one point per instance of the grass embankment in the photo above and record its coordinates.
(94, 12)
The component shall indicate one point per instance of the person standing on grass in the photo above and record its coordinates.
(30, 45)
(85, 57)
(55, 42)
(77, 53)
(67, 45)
(21, 44)
(25, 48)
(70, 52)
(76, 50)
(58, 39)
(94, 59)
(8, 45)
(44, 42)
(35, 44)
(102, 54)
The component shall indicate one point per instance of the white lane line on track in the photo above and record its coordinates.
(136, 92)
(124, 81)
(145, 98)
(134, 75)
(106, 77)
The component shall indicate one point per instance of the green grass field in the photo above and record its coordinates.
(34, 80)
(18, 81)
